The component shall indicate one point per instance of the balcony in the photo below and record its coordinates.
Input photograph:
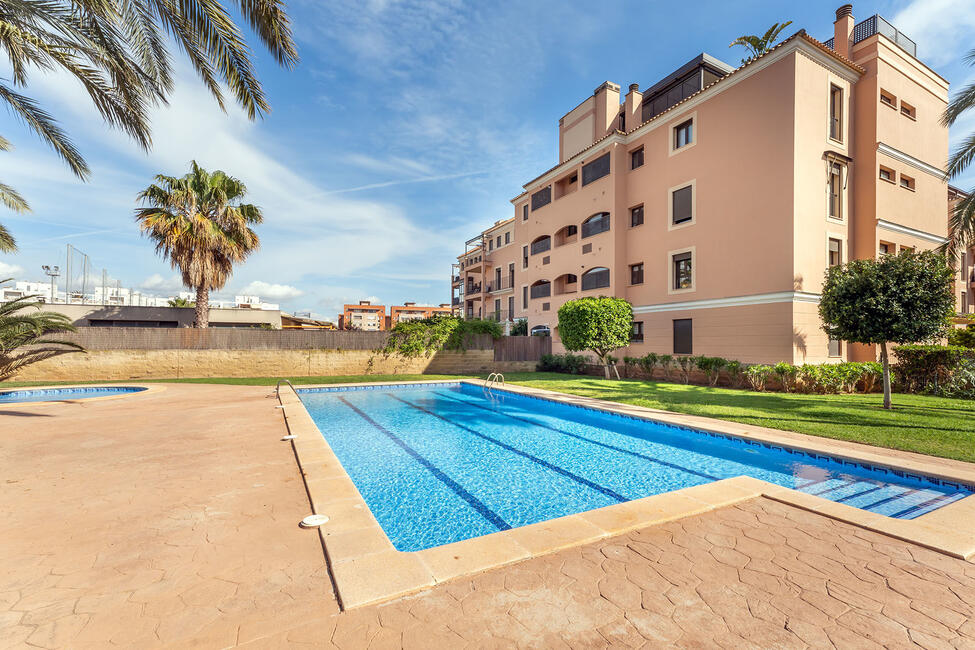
(499, 316)
(473, 291)
(455, 279)
(876, 24)
(505, 284)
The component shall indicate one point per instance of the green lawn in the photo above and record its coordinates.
(928, 425)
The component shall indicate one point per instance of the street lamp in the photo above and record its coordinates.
(54, 272)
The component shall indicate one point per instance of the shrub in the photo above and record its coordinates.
(572, 364)
(685, 364)
(600, 325)
(830, 378)
(850, 374)
(873, 374)
(426, 336)
(711, 367)
(648, 362)
(666, 362)
(736, 373)
(520, 328)
(926, 367)
(629, 362)
(807, 378)
(962, 337)
(962, 382)
(786, 374)
(758, 375)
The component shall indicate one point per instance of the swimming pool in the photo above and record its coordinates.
(439, 463)
(60, 394)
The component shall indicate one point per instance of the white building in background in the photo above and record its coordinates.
(119, 296)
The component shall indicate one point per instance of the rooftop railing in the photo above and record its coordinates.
(877, 24)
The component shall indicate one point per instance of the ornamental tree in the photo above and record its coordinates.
(902, 298)
(600, 325)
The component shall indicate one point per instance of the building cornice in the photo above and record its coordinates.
(913, 232)
(735, 301)
(908, 159)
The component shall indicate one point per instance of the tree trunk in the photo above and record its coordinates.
(202, 307)
(886, 361)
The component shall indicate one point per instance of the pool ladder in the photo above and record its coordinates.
(277, 387)
(493, 380)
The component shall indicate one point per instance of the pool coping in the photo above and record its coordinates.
(149, 388)
(367, 569)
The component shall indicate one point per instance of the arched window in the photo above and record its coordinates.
(595, 224)
(541, 289)
(541, 244)
(596, 278)
(541, 330)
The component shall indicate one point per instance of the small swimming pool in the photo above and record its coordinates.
(61, 394)
(441, 463)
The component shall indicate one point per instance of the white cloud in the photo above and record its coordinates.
(10, 270)
(157, 282)
(941, 28)
(270, 291)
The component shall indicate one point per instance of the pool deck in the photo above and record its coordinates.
(169, 519)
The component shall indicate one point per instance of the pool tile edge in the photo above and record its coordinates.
(366, 569)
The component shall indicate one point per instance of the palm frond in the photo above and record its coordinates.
(961, 227)
(41, 122)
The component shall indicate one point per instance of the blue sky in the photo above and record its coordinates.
(404, 131)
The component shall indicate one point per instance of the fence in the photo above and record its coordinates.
(509, 348)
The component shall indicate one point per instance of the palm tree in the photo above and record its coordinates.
(23, 334)
(180, 302)
(961, 222)
(759, 45)
(200, 226)
(119, 51)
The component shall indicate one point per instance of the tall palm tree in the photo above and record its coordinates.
(201, 227)
(759, 45)
(24, 331)
(961, 222)
(119, 51)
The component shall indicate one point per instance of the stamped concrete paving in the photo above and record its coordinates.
(169, 520)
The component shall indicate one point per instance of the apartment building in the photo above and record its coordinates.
(411, 311)
(483, 283)
(715, 199)
(363, 316)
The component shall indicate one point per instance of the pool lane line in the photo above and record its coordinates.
(652, 459)
(457, 488)
(535, 459)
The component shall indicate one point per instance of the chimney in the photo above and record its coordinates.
(607, 107)
(843, 31)
(633, 107)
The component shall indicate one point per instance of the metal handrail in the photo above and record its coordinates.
(277, 387)
(492, 381)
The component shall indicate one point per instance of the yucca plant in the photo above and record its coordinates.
(759, 45)
(24, 331)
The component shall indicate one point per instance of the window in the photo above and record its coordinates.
(683, 336)
(887, 174)
(511, 307)
(546, 259)
(524, 212)
(497, 242)
(636, 333)
(490, 244)
(596, 278)
(570, 278)
(908, 111)
(595, 224)
(888, 99)
(963, 266)
(636, 273)
(507, 238)
(511, 275)
(636, 216)
(885, 248)
(836, 113)
(586, 248)
(546, 306)
(683, 134)
(835, 252)
(524, 257)
(835, 191)
(541, 198)
(541, 244)
(835, 348)
(541, 289)
(524, 297)
(682, 204)
(636, 158)
(964, 302)
(595, 170)
(907, 182)
(683, 275)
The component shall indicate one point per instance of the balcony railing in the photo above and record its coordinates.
(503, 285)
(499, 315)
(876, 24)
(473, 288)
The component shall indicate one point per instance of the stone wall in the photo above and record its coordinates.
(97, 365)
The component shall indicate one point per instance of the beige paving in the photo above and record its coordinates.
(169, 520)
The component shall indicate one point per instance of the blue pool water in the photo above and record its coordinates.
(441, 463)
(59, 394)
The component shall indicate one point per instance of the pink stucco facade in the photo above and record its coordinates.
(716, 211)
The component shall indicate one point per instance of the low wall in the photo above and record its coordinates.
(97, 365)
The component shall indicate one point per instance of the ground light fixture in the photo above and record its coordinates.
(313, 521)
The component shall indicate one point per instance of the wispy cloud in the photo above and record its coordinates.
(942, 29)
